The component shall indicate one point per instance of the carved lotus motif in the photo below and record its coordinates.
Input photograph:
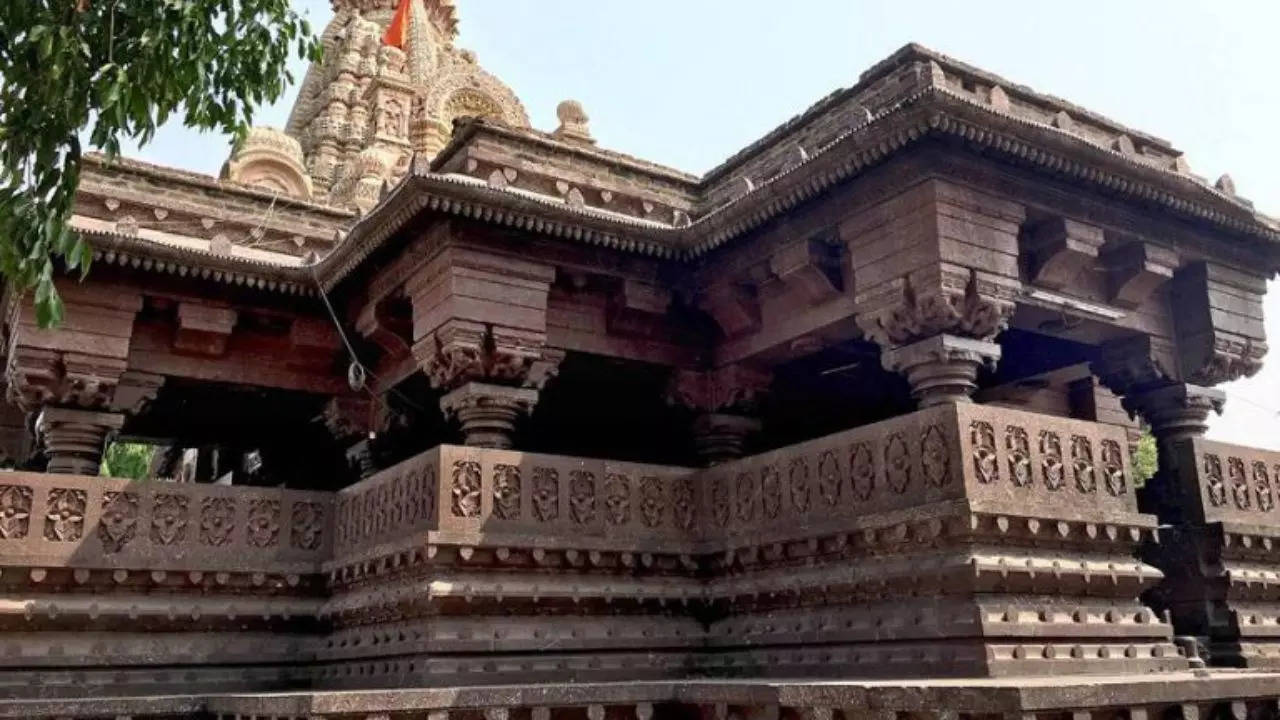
(1262, 485)
(427, 496)
(546, 494)
(506, 492)
(617, 499)
(1239, 484)
(720, 509)
(652, 503)
(1113, 469)
(1082, 464)
(307, 529)
(745, 497)
(168, 519)
(119, 523)
(263, 528)
(1051, 460)
(798, 482)
(1018, 445)
(1213, 480)
(466, 489)
(935, 461)
(829, 478)
(15, 511)
(217, 520)
(862, 471)
(770, 491)
(582, 497)
(682, 505)
(983, 438)
(64, 519)
(897, 464)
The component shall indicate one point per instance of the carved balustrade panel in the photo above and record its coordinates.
(390, 506)
(1230, 483)
(94, 522)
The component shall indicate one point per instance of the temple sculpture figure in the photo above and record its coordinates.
(462, 419)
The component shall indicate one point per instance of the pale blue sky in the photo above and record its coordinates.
(688, 82)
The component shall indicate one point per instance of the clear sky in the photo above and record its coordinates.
(687, 82)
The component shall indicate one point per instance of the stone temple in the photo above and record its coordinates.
(462, 419)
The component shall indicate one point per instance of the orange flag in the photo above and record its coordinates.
(397, 31)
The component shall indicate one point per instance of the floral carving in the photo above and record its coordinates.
(119, 522)
(217, 520)
(983, 438)
(15, 511)
(862, 471)
(720, 509)
(617, 499)
(770, 491)
(1213, 480)
(682, 506)
(1082, 464)
(829, 478)
(427, 498)
(744, 488)
(263, 528)
(935, 461)
(410, 497)
(546, 494)
(506, 492)
(1018, 444)
(798, 482)
(466, 489)
(582, 497)
(1239, 483)
(897, 464)
(652, 505)
(307, 529)
(1262, 486)
(64, 520)
(1113, 469)
(168, 519)
(1051, 466)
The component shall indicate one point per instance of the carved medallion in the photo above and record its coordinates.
(862, 471)
(465, 491)
(1213, 480)
(217, 520)
(935, 461)
(798, 483)
(307, 529)
(582, 497)
(829, 478)
(682, 504)
(546, 494)
(1113, 469)
(1239, 483)
(506, 492)
(720, 509)
(897, 464)
(64, 520)
(15, 511)
(119, 523)
(617, 499)
(168, 519)
(652, 504)
(1051, 466)
(263, 527)
(770, 491)
(1262, 486)
(1018, 445)
(1082, 464)
(983, 438)
(744, 500)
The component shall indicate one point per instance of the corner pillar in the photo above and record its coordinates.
(74, 440)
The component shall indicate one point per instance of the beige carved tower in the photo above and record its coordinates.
(367, 108)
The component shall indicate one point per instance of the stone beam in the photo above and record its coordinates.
(203, 329)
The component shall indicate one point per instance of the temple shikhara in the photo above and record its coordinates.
(460, 419)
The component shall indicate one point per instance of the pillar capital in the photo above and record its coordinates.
(1175, 411)
(488, 413)
(74, 439)
(725, 402)
(942, 368)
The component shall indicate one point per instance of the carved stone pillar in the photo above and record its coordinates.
(74, 440)
(943, 368)
(725, 401)
(1175, 413)
(488, 413)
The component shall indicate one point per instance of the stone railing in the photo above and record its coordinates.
(1230, 483)
(995, 459)
(108, 523)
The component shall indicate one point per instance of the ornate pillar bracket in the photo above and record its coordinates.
(725, 401)
(75, 439)
(943, 368)
(488, 413)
